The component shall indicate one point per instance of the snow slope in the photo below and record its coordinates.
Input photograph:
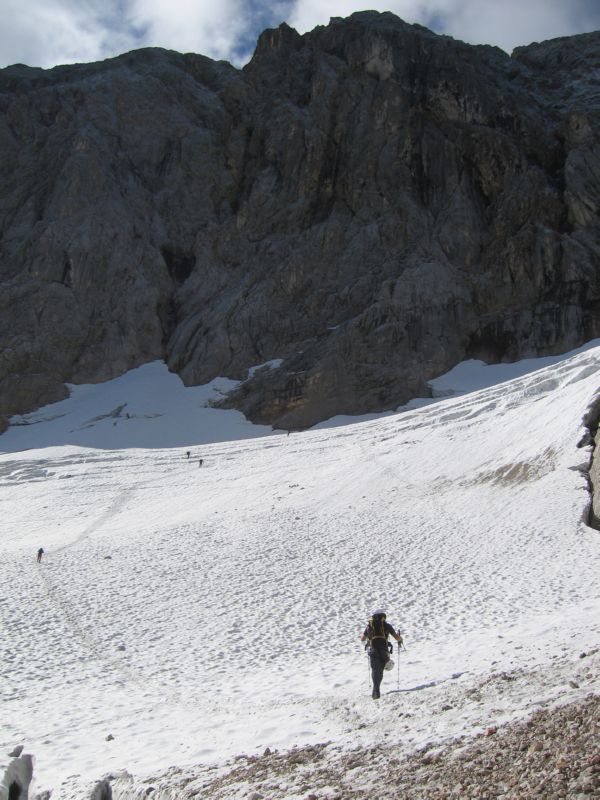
(146, 407)
(196, 613)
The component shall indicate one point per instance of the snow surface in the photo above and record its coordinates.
(146, 407)
(196, 613)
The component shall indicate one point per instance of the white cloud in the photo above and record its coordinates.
(200, 26)
(48, 32)
(505, 23)
(512, 22)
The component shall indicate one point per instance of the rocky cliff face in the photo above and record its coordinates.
(369, 202)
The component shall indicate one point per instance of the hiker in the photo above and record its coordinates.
(200, 462)
(376, 633)
(40, 553)
(188, 453)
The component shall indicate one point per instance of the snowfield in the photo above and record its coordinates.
(184, 614)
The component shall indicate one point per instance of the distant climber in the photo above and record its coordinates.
(188, 453)
(40, 553)
(376, 633)
(200, 462)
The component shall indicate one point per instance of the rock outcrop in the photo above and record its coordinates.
(369, 202)
(16, 775)
(594, 514)
(591, 439)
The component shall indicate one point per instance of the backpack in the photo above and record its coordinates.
(376, 628)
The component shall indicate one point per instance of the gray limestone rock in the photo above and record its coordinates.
(102, 791)
(15, 778)
(591, 438)
(594, 517)
(369, 202)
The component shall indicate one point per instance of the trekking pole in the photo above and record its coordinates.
(398, 666)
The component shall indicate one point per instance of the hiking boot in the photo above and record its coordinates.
(375, 695)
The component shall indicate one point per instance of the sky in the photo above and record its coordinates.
(44, 33)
